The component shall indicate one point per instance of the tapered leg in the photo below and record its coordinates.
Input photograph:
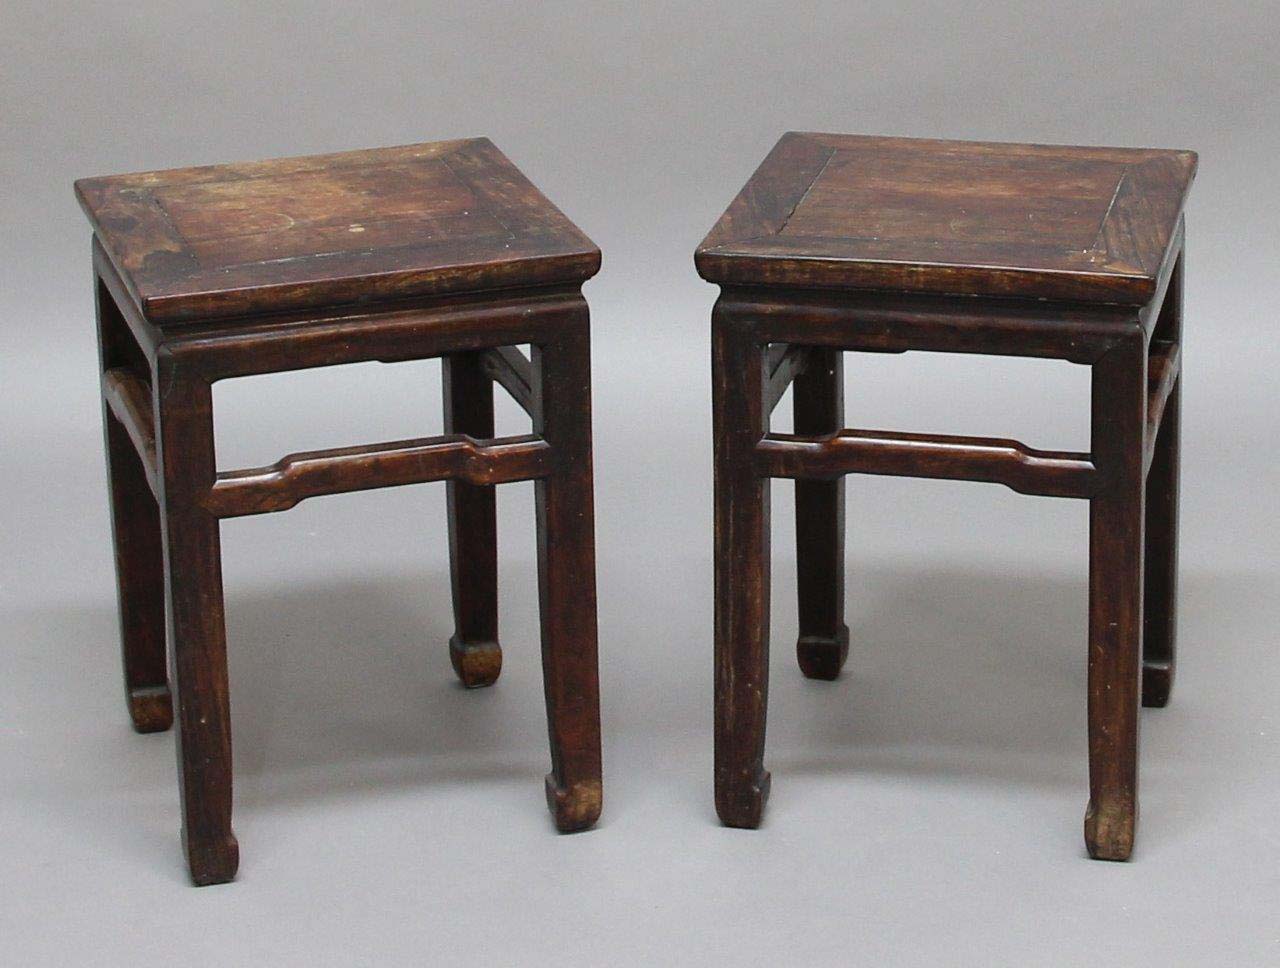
(197, 636)
(135, 527)
(741, 573)
(823, 646)
(1115, 599)
(1160, 600)
(567, 574)
(473, 530)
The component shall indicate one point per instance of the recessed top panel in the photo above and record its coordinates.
(1054, 222)
(327, 230)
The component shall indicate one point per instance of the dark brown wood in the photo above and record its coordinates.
(886, 245)
(884, 322)
(939, 456)
(200, 278)
(567, 572)
(510, 369)
(197, 631)
(451, 324)
(785, 364)
(128, 398)
(740, 417)
(1115, 599)
(1160, 572)
(818, 408)
(473, 527)
(1163, 369)
(327, 230)
(135, 519)
(453, 457)
(970, 218)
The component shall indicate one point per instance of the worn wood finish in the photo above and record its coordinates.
(128, 427)
(511, 370)
(938, 456)
(1160, 595)
(1115, 599)
(785, 364)
(739, 419)
(885, 245)
(388, 334)
(818, 408)
(1162, 377)
(194, 244)
(886, 322)
(196, 625)
(567, 573)
(1044, 221)
(208, 274)
(452, 457)
(473, 527)
(128, 401)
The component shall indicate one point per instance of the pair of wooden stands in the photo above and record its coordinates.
(445, 250)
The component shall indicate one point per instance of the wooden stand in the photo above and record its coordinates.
(887, 245)
(441, 250)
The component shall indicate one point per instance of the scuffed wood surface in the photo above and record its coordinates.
(328, 230)
(967, 218)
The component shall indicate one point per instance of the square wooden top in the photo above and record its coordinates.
(970, 218)
(328, 230)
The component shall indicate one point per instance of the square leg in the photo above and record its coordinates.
(196, 630)
(135, 531)
(1160, 597)
(567, 573)
(473, 529)
(741, 572)
(818, 403)
(1116, 520)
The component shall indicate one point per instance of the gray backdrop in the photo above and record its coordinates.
(926, 808)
